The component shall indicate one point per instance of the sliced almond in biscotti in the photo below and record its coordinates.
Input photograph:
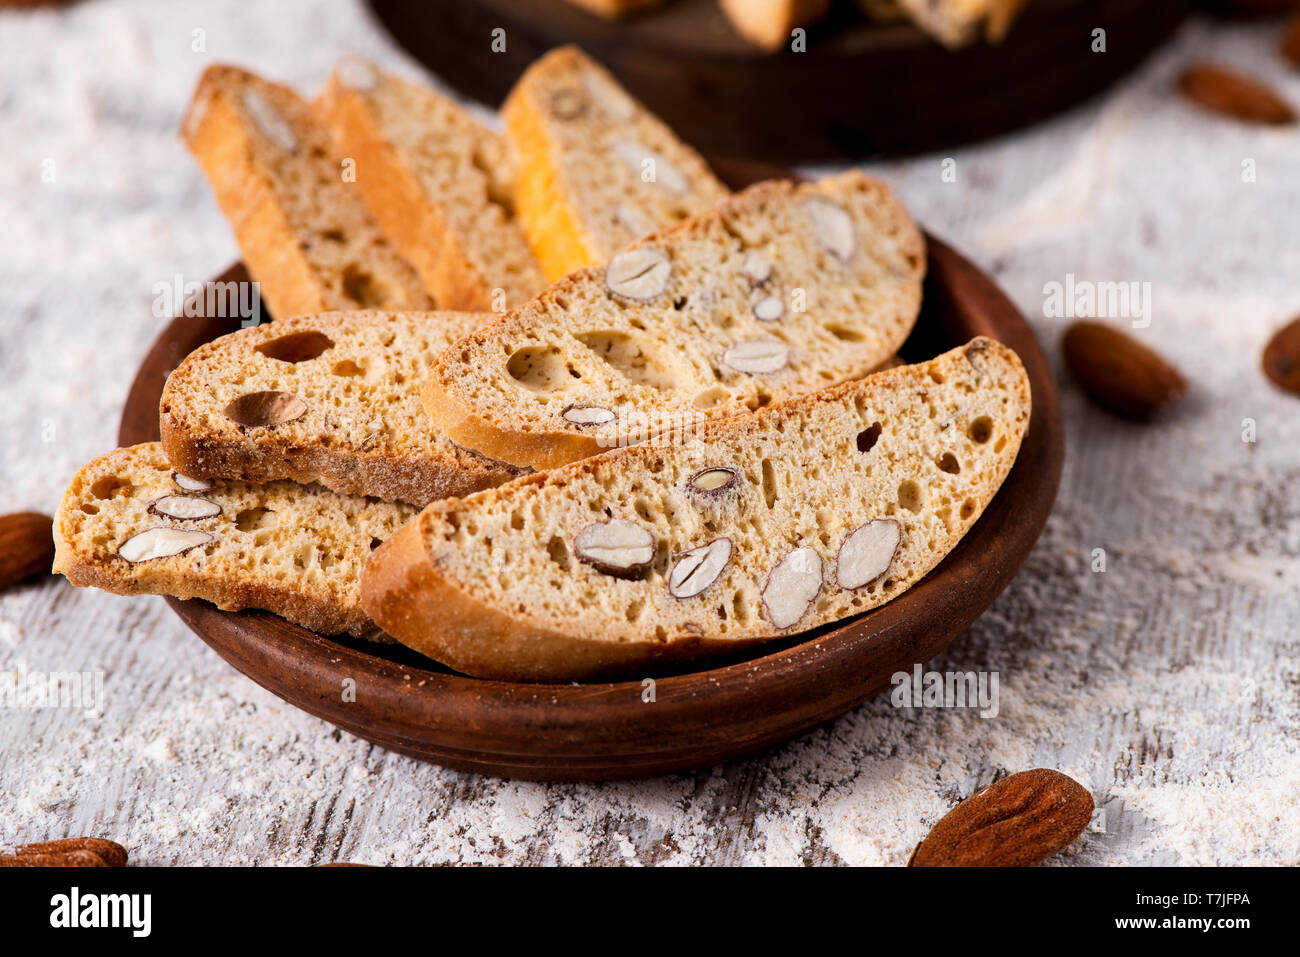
(438, 182)
(596, 170)
(669, 332)
(332, 398)
(305, 233)
(800, 514)
(130, 525)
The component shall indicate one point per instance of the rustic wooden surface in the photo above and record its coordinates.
(1167, 684)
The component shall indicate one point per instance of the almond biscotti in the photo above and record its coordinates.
(801, 514)
(781, 290)
(439, 183)
(956, 23)
(130, 524)
(305, 234)
(331, 398)
(595, 169)
(768, 23)
(616, 9)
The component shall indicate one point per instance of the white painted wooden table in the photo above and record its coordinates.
(1169, 684)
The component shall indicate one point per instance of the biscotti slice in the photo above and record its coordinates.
(305, 234)
(767, 524)
(595, 169)
(332, 398)
(130, 524)
(781, 290)
(438, 182)
(956, 23)
(616, 9)
(768, 23)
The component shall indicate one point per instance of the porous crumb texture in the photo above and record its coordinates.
(596, 169)
(822, 279)
(767, 23)
(363, 431)
(305, 234)
(440, 184)
(297, 551)
(924, 446)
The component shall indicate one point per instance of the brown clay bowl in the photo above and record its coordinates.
(722, 710)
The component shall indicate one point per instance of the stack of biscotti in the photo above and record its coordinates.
(718, 472)
(289, 451)
(778, 291)
(438, 182)
(809, 511)
(382, 193)
(304, 232)
(721, 472)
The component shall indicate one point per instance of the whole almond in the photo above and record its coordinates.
(1291, 41)
(1234, 94)
(1282, 357)
(26, 546)
(70, 852)
(1119, 373)
(1021, 820)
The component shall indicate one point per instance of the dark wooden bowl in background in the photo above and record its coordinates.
(861, 89)
(603, 730)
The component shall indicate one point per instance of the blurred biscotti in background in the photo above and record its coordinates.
(615, 9)
(768, 24)
(957, 23)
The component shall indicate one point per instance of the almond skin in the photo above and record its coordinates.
(1119, 373)
(1234, 94)
(1291, 41)
(71, 852)
(1019, 821)
(26, 546)
(1282, 357)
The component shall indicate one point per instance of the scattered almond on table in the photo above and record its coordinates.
(1291, 41)
(1018, 821)
(1235, 95)
(71, 852)
(1119, 373)
(26, 546)
(1282, 357)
